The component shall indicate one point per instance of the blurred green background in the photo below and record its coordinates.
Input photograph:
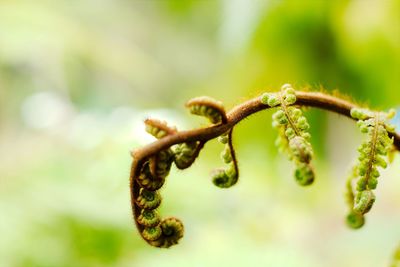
(78, 77)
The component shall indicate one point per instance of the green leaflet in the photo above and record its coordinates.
(186, 153)
(147, 180)
(304, 174)
(207, 107)
(160, 164)
(148, 218)
(158, 129)
(364, 201)
(148, 199)
(354, 220)
(172, 231)
(152, 233)
(372, 156)
(294, 138)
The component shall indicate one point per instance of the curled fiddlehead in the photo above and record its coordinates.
(157, 232)
(207, 107)
(150, 177)
(226, 177)
(372, 155)
(172, 231)
(215, 112)
(186, 153)
(158, 129)
(156, 169)
(293, 138)
(149, 200)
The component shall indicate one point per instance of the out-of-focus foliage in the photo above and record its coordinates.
(78, 77)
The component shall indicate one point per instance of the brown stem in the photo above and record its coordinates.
(233, 153)
(238, 113)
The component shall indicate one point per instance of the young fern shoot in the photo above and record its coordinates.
(151, 164)
(157, 232)
(294, 138)
(150, 176)
(215, 112)
(373, 154)
(226, 177)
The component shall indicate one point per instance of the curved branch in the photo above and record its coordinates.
(238, 113)
(167, 232)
